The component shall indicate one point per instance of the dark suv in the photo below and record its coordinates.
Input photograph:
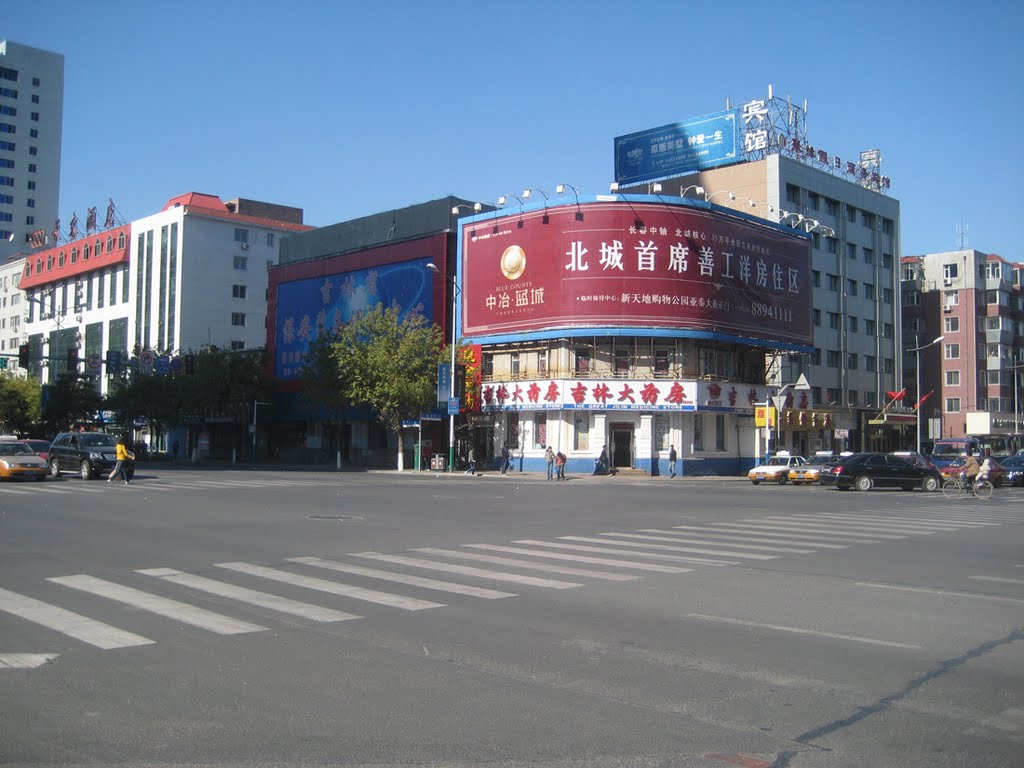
(87, 454)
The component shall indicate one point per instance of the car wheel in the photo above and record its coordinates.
(863, 483)
(755, 482)
(54, 471)
(929, 484)
(782, 479)
(85, 469)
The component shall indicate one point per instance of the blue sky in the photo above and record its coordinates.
(346, 109)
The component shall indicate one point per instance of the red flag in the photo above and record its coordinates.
(897, 395)
(925, 397)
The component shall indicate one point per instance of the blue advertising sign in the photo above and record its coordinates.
(678, 148)
(444, 384)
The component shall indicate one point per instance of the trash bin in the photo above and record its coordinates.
(437, 462)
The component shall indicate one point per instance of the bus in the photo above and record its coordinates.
(997, 445)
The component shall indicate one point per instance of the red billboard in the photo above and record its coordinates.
(634, 265)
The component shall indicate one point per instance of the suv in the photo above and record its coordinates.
(85, 453)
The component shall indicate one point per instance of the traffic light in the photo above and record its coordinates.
(3, 363)
(73, 359)
(23, 355)
(113, 362)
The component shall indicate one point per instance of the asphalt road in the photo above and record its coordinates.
(240, 617)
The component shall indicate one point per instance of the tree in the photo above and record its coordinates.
(388, 363)
(19, 405)
(73, 399)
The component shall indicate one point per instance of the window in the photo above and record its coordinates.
(581, 431)
(237, 345)
(950, 298)
(540, 431)
(851, 324)
(869, 256)
(793, 194)
(813, 201)
(886, 261)
(853, 397)
(720, 432)
(867, 219)
(816, 278)
(888, 365)
(887, 226)
(33, 150)
(851, 287)
(833, 283)
(887, 330)
(512, 430)
(833, 320)
(832, 358)
(816, 240)
(887, 295)
(952, 351)
(870, 363)
(86, 250)
(241, 262)
(832, 245)
(542, 363)
(238, 291)
(582, 361)
(816, 317)
(952, 405)
(834, 398)
(870, 328)
(869, 291)
(621, 362)
(270, 239)
(121, 241)
(852, 363)
(514, 364)
(661, 361)
(661, 432)
(831, 206)
(851, 251)
(951, 324)
(698, 432)
(241, 235)
(851, 214)
(238, 318)
(870, 398)
(952, 378)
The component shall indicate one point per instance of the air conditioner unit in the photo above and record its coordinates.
(947, 307)
(947, 281)
(245, 246)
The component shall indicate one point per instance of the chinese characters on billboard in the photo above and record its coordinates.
(634, 265)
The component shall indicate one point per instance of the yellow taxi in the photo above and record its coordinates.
(775, 469)
(17, 459)
(810, 472)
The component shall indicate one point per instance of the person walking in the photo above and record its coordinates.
(506, 458)
(560, 459)
(549, 460)
(672, 457)
(471, 460)
(123, 456)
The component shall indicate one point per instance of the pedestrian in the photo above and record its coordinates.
(560, 460)
(471, 461)
(672, 457)
(174, 449)
(549, 460)
(123, 456)
(970, 468)
(506, 458)
(601, 463)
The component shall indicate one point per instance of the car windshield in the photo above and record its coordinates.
(98, 439)
(819, 460)
(14, 449)
(775, 461)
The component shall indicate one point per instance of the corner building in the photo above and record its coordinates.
(631, 323)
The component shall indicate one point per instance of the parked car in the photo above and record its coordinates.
(1014, 468)
(776, 469)
(865, 471)
(88, 454)
(810, 471)
(40, 448)
(997, 476)
(18, 460)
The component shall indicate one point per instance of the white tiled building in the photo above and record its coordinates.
(12, 307)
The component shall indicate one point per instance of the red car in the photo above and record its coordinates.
(997, 476)
(40, 448)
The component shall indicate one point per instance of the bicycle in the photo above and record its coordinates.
(955, 487)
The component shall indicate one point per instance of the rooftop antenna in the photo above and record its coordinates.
(961, 236)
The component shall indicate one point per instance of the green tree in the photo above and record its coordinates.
(19, 405)
(73, 399)
(387, 363)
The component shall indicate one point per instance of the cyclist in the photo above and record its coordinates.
(970, 469)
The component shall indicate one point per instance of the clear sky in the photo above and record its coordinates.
(346, 109)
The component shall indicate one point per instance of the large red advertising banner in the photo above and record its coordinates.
(620, 264)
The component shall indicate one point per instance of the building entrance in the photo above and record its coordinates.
(622, 445)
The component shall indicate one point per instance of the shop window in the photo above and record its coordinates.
(581, 431)
(582, 361)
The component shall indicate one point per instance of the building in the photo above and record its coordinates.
(191, 276)
(965, 310)
(11, 314)
(31, 116)
(756, 158)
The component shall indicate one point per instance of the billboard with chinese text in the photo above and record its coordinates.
(328, 301)
(678, 148)
(608, 265)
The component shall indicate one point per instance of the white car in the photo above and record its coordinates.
(776, 469)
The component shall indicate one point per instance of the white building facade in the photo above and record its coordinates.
(31, 116)
(11, 314)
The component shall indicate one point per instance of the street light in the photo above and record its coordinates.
(697, 189)
(1016, 387)
(800, 384)
(255, 403)
(732, 195)
(451, 374)
(917, 379)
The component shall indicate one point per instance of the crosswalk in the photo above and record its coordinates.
(422, 578)
(164, 484)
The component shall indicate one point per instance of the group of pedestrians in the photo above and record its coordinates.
(555, 462)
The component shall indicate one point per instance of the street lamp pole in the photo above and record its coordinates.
(917, 379)
(1016, 388)
(451, 373)
(801, 384)
(255, 403)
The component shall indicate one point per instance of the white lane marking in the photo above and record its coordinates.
(17, 491)
(704, 533)
(332, 587)
(44, 488)
(940, 592)
(900, 520)
(25, 660)
(854, 521)
(565, 570)
(1000, 579)
(68, 623)
(681, 538)
(833, 528)
(799, 631)
(401, 578)
(758, 530)
(610, 542)
(466, 570)
(250, 596)
(580, 558)
(162, 606)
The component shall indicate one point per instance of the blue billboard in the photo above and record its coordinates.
(329, 301)
(678, 148)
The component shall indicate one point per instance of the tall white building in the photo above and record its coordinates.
(31, 115)
(11, 313)
(193, 275)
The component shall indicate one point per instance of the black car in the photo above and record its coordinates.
(87, 454)
(864, 471)
(1014, 466)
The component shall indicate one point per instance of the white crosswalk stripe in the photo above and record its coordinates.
(681, 538)
(705, 534)
(752, 530)
(250, 596)
(631, 564)
(681, 558)
(162, 606)
(466, 570)
(401, 578)
(68, 623)
(888, 526)
(833, 528)
(332, 587)
(565, 570)
(921, 521)
(25, 660)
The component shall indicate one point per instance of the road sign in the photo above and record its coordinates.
(453, 406)
(94, 361)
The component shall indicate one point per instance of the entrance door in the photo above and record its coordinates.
(622, 446)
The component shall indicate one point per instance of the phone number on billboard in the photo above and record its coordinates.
(757, 309)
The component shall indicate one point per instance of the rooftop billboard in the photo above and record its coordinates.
(678, 148)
